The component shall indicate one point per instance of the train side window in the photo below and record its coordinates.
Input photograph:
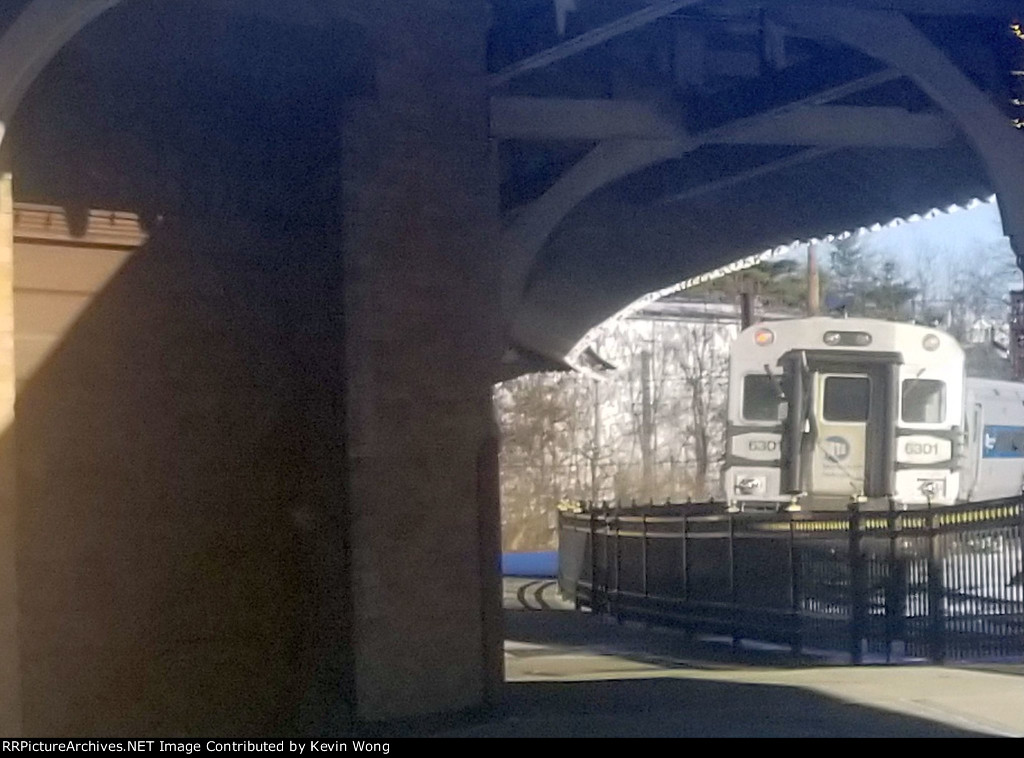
(924, 401)
(847, 398)
(761, 401)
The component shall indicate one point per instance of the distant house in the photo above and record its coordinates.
(987, 350)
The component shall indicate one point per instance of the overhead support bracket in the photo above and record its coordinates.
(549, 118)
(554, 119)
(804, 156)
(892, 38)
(612, 160)
(590, 39)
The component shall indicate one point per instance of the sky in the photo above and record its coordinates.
(937, 246)
(945, 243)
(957, 232)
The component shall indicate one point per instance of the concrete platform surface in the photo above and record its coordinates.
(575, 675)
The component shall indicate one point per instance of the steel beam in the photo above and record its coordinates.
(591, 38)
(662, 8)
(805, 156)
(610, 161)
(1007, 8)
(841, 126)
(549, 118)
(892, 38)
(536, 118)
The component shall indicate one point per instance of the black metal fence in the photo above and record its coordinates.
(945, 583)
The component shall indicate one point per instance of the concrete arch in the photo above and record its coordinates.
(888, 37)
(611, 160)
(36, 36)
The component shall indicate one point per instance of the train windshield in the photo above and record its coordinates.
(924, 401)
(846, 398)
(762, 400)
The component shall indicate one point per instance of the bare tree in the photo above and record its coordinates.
(651, 430)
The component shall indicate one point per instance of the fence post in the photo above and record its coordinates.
(895, 586)
(858, 588)
(643, 551)
(606, 558)
(560, 582)
(592, 536)
(733, 610)
(685, 561)
(615, 598)
(596, 587)
(936, 591)
(796, 618)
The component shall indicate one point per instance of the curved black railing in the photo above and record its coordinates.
(943, 583)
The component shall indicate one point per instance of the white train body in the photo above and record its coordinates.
(825, 411)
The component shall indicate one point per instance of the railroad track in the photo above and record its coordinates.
(533, 595)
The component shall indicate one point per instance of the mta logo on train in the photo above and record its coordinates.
(837, 448)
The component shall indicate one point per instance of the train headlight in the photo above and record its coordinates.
(764, 337)
(857, 339)
(930, 342)
(748, 485)
(932, 487)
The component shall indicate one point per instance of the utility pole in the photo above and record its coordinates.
(646, 425)
(595, 452)
(1017, 334)
(813, 282)
(746, 309)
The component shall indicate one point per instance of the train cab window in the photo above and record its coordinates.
(762, 400)
(846, 398)
(924, 401)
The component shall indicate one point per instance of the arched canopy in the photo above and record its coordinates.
(691, 134)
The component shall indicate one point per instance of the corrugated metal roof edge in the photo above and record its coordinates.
(749, 261)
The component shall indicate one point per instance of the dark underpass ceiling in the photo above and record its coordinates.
(640, 142)
(777, 135)
(194, 108)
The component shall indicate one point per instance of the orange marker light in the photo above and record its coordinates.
(764, 337)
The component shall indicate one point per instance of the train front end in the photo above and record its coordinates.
(824, 412)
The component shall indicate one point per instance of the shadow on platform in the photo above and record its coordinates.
(663, 707)
(574, 675)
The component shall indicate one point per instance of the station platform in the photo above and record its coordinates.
(572, 674)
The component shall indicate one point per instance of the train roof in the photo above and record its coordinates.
(847, 324)
(885, 336)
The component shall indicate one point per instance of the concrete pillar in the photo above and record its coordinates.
(423, 341)
(242, 510)
(10, 673)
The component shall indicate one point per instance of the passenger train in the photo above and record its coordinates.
(824, 412)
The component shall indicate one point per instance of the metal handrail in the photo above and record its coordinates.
(946, 582)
